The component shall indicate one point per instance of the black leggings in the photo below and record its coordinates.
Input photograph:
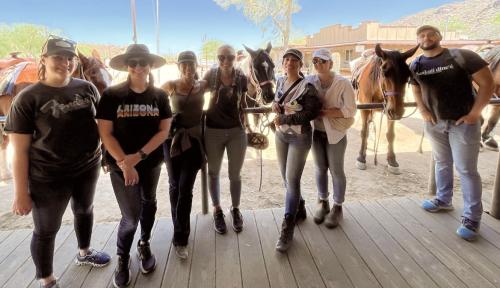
(182, 170)
(49, 203)
(137, 203)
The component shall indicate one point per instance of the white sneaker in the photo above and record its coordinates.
(181, 252)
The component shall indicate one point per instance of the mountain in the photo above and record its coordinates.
(475, 19)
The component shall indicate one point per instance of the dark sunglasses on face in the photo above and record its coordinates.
(229, 58)
(319, 61)
(132, 63)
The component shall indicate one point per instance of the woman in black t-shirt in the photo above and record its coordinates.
(56, 156)
(225, 131)
(134, 119)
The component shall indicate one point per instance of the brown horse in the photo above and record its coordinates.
(382, 79)
(89, 68)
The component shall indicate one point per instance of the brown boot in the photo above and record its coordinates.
(333, 218)
(321, 211)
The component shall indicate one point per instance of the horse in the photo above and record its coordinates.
(381, 76)
(259, 70)
(26, 69)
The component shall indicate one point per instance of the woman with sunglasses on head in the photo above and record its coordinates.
(56, 156)
(225, 131)
(296, 103)
(134, 119)
(183, 150)
(329, 135)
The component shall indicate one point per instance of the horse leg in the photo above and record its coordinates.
(5, 102)
(487, 140)
(393, 165)
(365, 120)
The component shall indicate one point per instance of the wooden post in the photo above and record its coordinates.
(204, 190)
(495, 200)
(432, 177)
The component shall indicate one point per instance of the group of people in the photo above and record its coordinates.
(56, 126)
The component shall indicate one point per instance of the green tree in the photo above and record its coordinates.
(276, 14)
(26, 38)
(208, 50)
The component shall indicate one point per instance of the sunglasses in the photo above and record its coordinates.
(319, 61)
(132, 63)
(229, 58)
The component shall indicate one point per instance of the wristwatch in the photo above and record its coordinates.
(142, 154)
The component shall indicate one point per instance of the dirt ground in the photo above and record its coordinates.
(374, 183)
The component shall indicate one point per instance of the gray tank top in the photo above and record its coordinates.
(187, 110)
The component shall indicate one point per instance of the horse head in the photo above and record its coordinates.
(395, 74)
(93, 69)
(262, 71)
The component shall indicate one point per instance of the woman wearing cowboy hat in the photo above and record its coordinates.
(183, 150)
(134, 119)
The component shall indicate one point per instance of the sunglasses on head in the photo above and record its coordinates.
(229, 58)
(319, 61)
(132, 63)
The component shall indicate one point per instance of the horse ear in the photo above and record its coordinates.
(380, 53)
(82, 57)
(250, 51)
(269, 47)
(410, 52)
(96, 55)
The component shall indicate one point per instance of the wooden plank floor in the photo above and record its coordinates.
(385, 243)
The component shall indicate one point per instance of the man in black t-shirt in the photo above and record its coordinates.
(451, 108)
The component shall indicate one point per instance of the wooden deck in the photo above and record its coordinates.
(386, 243)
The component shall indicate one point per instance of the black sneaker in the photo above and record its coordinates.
(301, 211)
(219, 223)
(489, 143)
(122, 273)
(333, 218)
(237, 220)
(286, 235)
(147, 261)
(94, 258)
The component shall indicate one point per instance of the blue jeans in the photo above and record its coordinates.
(329, 157)
(459, 144)
(291, 151)
(234, 140)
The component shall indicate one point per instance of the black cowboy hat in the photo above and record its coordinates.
(119, 62)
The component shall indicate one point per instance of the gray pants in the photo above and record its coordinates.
(233, 140)
(329, 157)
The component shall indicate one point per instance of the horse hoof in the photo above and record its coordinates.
(360, 165)
(393, 170)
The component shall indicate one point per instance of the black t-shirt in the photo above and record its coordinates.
(224, 110)
(136, 118)
(65, 139)
(446, 85)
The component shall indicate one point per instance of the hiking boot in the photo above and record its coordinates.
(286, 235)
(321, 211)
(122, 273)
(468, 230)
(147, 261)
(237, 220)
(489, 143)
(94, 258)
(181, 252)
(52, 284)
(436, 205)
(219, 223)
(333, 218)
(301, 211)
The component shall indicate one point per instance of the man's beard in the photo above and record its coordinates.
(431, 47)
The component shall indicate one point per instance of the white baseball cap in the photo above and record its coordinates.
(322, 54)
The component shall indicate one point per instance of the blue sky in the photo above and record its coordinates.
(185, 23)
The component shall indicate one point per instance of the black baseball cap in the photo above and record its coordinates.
(58, 46)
